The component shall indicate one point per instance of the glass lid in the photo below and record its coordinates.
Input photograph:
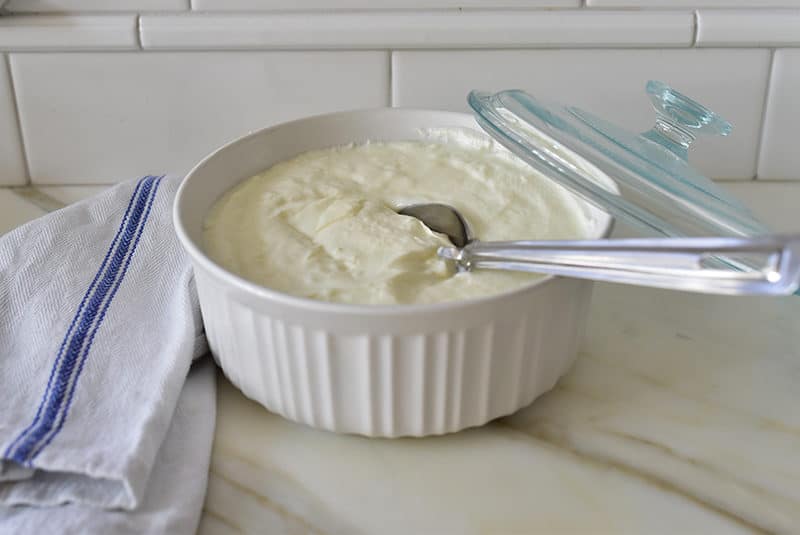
(654, 188)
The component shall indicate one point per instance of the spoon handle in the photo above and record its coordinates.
(734, 266)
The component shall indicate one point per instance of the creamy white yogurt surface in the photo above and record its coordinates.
(323, 225)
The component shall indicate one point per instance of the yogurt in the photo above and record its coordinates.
(324, 225)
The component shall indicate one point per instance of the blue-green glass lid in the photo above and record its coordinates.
(658, 191)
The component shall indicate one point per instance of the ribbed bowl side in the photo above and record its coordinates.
(394, 384)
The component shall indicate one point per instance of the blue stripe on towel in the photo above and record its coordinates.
(53, 409)
(86, 295)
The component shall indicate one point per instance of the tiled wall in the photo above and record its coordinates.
(95, 91)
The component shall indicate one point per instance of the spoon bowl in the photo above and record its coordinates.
(441, 218)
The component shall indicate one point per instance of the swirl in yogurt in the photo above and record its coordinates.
(323, 225)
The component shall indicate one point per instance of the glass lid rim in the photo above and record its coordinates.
(704, 202)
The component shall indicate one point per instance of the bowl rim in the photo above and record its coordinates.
(262, 292)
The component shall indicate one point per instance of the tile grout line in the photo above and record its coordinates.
(764, 107)
(18, 117)
(38, 198)
(751, 181)
(696, 29)
(138, 31)
(71, 184)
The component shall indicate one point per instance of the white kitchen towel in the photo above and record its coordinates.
(174, 495)
(99, 324)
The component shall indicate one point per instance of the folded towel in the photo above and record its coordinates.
(99, 325)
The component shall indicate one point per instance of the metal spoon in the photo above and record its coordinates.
(735, 266)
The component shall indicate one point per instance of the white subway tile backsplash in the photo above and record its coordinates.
(691, 4)
(50, 6)
(597, 57)
(437, 29)
(99, 118)
(68, 32)
(270, 5)
(750, 27)
(12, 163)
(780, 156)
(609, 83)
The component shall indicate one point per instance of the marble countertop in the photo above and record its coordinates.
(680, 416)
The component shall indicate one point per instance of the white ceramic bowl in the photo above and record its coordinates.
(375, 370)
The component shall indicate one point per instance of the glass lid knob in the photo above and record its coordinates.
(679, 119)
